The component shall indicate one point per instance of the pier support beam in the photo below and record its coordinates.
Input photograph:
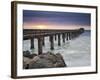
(72, 35)
(51, 43)
(63, 36)
(32, 43)
(59, 44)
(55, 37)
(67, 36)
(39, 45)
(43, 41)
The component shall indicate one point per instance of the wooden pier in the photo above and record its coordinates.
(53, 34)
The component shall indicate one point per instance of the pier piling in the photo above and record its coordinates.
(63, 36)
(59, 44)
(43, 41)
(32, 43)
(51, 43)
(39, 45)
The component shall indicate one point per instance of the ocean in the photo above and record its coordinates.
(76, 52)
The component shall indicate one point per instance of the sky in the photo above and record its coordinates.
(55, 20)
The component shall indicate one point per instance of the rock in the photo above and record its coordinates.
(27, 54)
(26, 61)
(45, 60)
(49, 56)
(36, 58)
(32, 55)
(60, 61)
(40, 63)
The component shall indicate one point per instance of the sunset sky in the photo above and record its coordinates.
(55, 20)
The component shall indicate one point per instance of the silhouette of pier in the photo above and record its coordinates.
(53, 34)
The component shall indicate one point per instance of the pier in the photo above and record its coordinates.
(53, 34)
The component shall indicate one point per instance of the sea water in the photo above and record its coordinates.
(76, 52)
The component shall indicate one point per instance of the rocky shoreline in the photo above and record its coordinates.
(44, 60)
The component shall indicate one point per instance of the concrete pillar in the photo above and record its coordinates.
(55, 37)
(72, 35)
(51, 43)
(43, 41)
(39, 45)
(67, 36)
(32, 43)
(59, 44)
(63, 36)
(49, 38)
